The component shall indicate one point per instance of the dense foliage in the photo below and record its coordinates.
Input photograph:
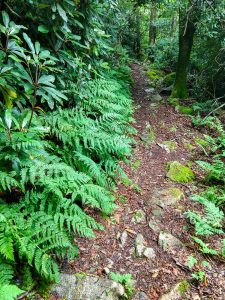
(64, 124)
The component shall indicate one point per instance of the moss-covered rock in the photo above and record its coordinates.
(155, 76)
(171, 145)
(166, 197)
(149, 135)
(179, 173)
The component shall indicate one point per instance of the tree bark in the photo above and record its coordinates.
(152, 27)
(137, 42)
(187, 28)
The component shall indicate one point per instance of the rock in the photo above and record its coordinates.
(150, 90)
(148, 136)
(166, 197)
(110, 263)
(177, 292)
(154, 225)
(149, 253)
(168, 146)
(123, 237)
(106, 270)
(139, 245)
(141, 250)
(179, 173)
(158, 212)
(139, 239)
(156, 98)
(139, 217)
(168, 242)
(72, 287)
(141, 296)
(166, 90)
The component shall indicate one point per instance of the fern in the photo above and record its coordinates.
(210, 222)
(204, 248)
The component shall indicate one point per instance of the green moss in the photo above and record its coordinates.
(171, 145)
(136, 165)
(127, 182)
(81, 274)
(183, 287)
(175, 193)
(155, 76)
(179, 173)
(199, 141)
(180, 91)
(173, 129)
(169, 79)
(189, 146)
(185, 110)
(174, 101)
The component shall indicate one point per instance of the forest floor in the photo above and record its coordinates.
(141, 211)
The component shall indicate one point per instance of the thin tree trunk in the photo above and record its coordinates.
(174, 24)
(152, 27)
(137, 43)
(187, 28)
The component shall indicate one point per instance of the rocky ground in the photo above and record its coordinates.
(148, 234)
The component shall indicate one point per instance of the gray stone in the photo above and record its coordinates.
(157, 212)
(156, 98)
(168, 242)
(139, 239)
(141, 296)
(123, 237)
(106, 270)
(72, 287)
(139, 250)
(177, 292)
(149, 253)
(139, 245)
(154, 225)
(139, 217)
(150, 90)
(166, 197)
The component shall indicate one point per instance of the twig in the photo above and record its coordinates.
(222, 105)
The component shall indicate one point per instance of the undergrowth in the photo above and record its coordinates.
(210, 222)
(60, 147)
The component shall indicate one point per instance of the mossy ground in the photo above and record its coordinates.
(171, 145)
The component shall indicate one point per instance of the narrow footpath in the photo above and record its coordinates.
(147, 236)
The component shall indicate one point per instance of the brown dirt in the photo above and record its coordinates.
(153, 277)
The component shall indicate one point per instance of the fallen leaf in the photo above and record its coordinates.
(130, 231)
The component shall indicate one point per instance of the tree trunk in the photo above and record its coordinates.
(174, 24)
(152, 27)
(187, 28)
(137, 43)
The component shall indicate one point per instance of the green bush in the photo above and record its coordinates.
(62, 134)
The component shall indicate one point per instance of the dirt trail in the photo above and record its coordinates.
(113, 249)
